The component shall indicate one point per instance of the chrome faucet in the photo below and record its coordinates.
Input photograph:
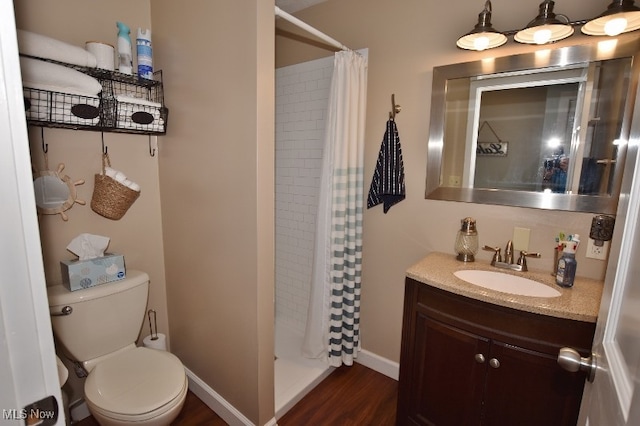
(508, 253)
(520, 265)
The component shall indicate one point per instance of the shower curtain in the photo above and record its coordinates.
(332, 330)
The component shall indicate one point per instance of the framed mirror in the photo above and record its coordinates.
(546, 129)
(55, 193)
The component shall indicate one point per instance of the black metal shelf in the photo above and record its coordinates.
(126, 104)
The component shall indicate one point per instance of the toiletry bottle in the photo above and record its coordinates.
(125, 57)
(145, 62)
(567, 264)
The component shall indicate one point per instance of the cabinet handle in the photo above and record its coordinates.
(479, 358)
(494, 363)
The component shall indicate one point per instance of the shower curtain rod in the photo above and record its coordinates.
(297, 22)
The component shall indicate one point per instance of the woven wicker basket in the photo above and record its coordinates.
(111, 199)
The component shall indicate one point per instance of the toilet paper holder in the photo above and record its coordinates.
(153, 329)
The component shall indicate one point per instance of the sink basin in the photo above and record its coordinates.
(506, 283)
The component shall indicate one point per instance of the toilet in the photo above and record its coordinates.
(98, 327)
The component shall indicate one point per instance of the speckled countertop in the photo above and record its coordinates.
(580, 302)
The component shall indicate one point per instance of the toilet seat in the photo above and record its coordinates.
(136, 385)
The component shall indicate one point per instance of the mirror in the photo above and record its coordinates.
(55, 193)
(547, 129)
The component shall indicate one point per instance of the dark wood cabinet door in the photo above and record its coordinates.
(448, 372)
(529, 388)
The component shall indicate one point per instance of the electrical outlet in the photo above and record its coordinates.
(597, 252)
(454, 181)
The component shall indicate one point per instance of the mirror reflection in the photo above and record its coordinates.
(534, 133)
(551, 131)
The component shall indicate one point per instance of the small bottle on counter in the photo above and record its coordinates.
(466, 245)
(567, 263)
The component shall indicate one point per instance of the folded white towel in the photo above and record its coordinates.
(75, 109)
(57, 78)
(33, 44)
(139, 114)
(139, 101)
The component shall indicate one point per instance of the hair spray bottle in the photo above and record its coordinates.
(145, 60)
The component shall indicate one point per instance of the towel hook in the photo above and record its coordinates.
(395, 109)
(45, 146)
(105, 149)
(152, 151)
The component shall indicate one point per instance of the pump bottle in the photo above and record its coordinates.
(567, 263)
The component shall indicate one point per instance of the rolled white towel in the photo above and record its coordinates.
(41, 46)
(36, 104)
(57, 78)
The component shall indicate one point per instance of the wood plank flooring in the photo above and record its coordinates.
(350, 396)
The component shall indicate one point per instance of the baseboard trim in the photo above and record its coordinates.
(235, 418)
(381, 365)
(218, 404)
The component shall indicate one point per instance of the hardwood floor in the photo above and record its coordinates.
(354, 395)
(350, 396)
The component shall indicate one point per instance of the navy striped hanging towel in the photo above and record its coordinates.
(387, 185)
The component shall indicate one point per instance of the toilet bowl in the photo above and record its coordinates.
(153, 394)
(98, 327)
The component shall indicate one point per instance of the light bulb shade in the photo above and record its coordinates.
(483, 35)
(622, 16)
(545, 28)
(481, 41)
(543, 34)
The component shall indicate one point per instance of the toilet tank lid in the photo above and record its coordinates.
(60, 295)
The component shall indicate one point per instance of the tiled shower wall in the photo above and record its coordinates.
(302, 93)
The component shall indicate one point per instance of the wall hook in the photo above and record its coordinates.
(105, 149)
(45, 146)
(152, 151)
(395, 109)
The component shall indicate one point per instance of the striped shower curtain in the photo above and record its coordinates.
(332, 330)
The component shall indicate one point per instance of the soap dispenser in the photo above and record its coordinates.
(467, 240)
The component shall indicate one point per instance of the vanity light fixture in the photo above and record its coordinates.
(483, 35)
(620, 17)
(546, 27)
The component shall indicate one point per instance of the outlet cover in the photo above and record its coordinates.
(597, 252)
(521, 238)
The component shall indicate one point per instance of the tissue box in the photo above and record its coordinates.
(79, 274)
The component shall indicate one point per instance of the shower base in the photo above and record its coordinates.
(295, 376)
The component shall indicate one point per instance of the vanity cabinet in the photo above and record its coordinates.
(469, 362)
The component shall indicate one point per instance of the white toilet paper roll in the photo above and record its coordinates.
(104, 53)
(160, 343)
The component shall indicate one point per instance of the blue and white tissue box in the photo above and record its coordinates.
(80, 274)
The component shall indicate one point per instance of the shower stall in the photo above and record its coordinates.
(302, 93)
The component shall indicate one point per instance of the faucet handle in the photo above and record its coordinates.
(522, 261)
(497, 257)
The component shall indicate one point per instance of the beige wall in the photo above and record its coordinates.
(406, 39)
(216, 181)
(215, 177)
(138, 235)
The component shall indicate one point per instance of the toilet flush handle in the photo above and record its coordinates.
(66, 310)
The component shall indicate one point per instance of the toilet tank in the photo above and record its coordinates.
(103, 319)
